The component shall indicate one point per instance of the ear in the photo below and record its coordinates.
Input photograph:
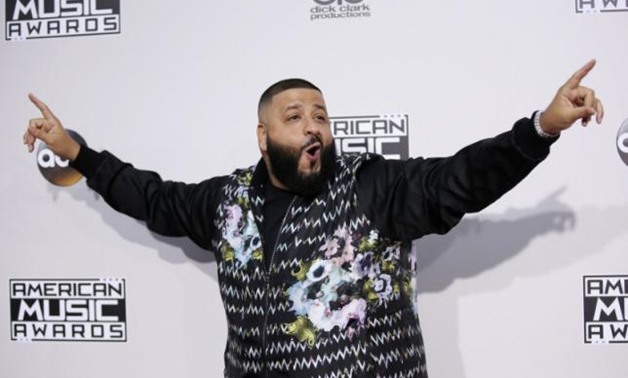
(262, 131)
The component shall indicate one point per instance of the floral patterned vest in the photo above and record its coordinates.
(337, 300)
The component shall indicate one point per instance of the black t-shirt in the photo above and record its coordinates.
(276, 203)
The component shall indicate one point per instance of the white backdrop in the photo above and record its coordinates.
(176, 92)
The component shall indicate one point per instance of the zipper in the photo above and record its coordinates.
(267, 287)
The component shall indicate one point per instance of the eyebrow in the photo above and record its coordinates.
(298, 106)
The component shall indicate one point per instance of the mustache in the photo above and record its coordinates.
(311, 141)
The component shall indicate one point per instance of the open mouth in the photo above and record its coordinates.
(313, 151)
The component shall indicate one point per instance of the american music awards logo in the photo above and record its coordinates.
(68, 310)
(605, 309)
(601, 6)
(31, 19)
(385, 135)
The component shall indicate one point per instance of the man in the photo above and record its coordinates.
(312, 249)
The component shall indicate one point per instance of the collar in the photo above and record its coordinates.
(260, 175)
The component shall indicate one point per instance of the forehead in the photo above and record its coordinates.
(297, 98)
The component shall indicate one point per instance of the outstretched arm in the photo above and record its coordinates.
(168, 208)
(409, 199)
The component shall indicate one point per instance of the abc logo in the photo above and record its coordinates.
(54, 169)
(622, 142)
(328, 2)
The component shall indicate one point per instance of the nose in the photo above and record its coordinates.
(312, 127)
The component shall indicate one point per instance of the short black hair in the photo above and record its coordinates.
(281, 86)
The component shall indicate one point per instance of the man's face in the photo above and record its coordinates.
(295, 140)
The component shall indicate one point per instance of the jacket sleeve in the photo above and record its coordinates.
(413, 198)
(169, 208)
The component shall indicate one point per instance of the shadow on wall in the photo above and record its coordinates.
(134, 231)
(471, 248)
(479, 244)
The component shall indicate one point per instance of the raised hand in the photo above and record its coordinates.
(571, 103)
(49, 130)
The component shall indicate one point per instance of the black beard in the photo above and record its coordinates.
(284, 162)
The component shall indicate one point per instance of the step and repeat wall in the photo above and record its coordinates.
(534, 285)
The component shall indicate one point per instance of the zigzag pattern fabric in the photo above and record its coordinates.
(337, 299)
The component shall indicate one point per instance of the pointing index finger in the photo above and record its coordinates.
(576, 78)
(43, 108)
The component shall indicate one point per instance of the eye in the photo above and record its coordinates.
(294, 117)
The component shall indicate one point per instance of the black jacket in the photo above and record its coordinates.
(336, 298)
